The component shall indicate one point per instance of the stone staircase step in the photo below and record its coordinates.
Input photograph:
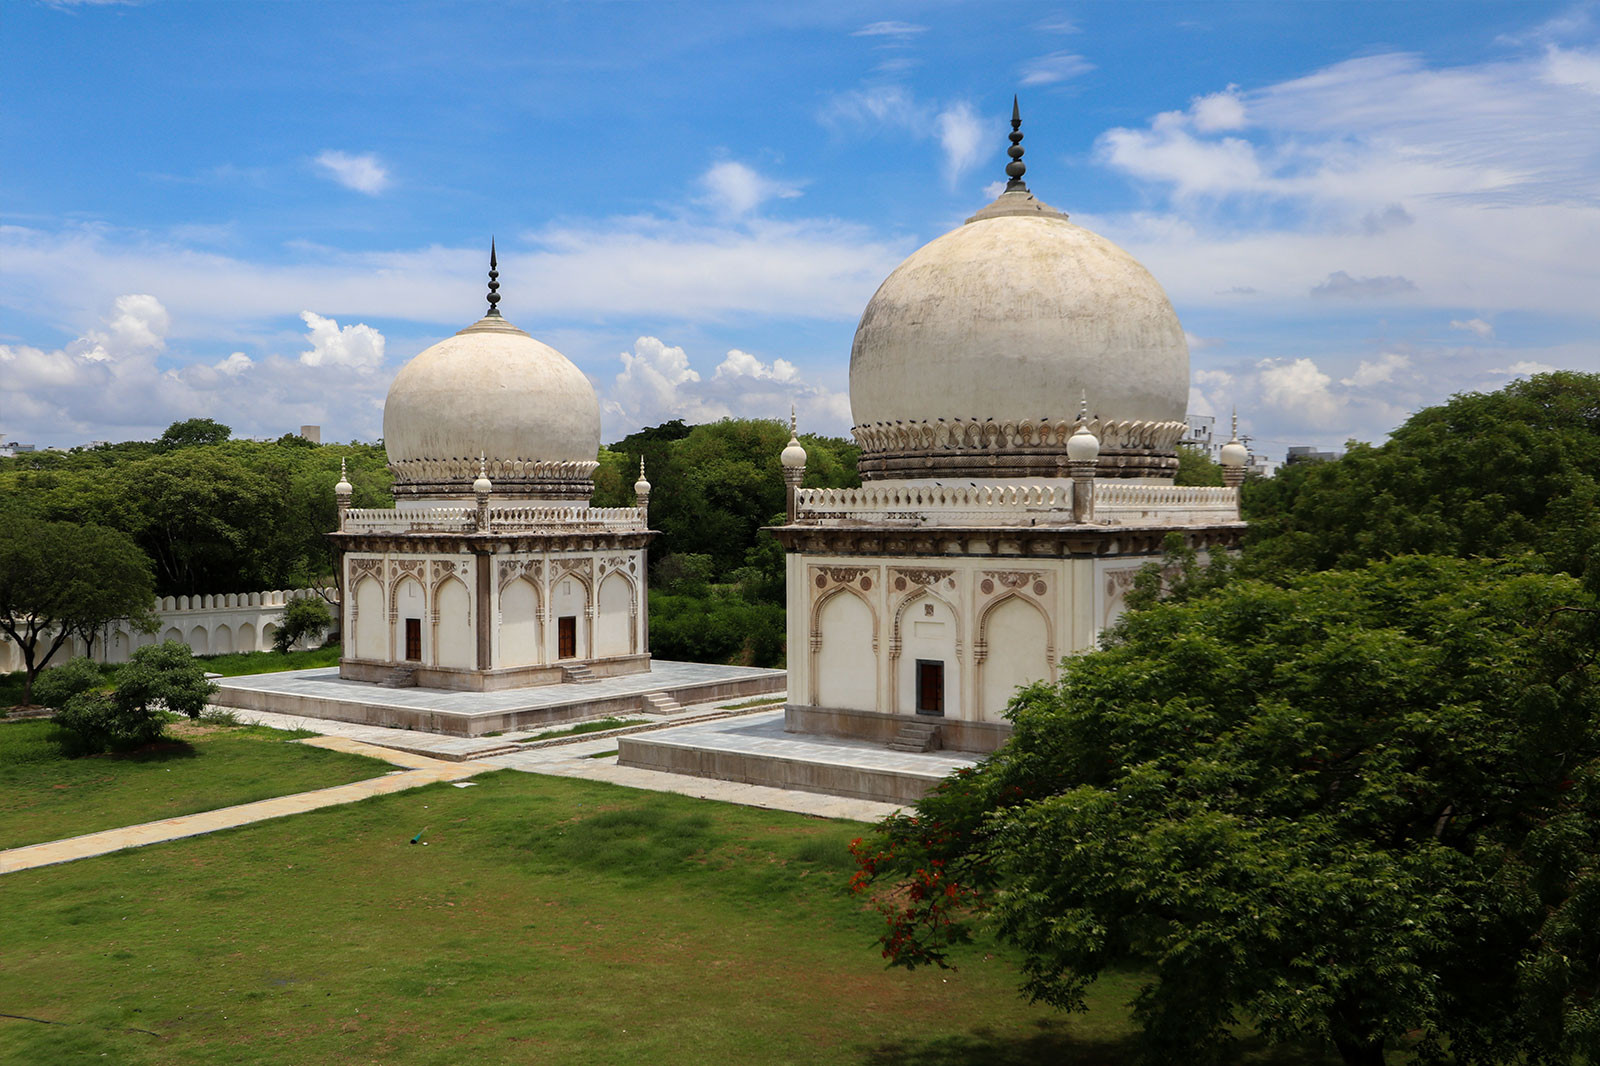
(916, 737)
(660, 703)
(578, 675)
(400, 677)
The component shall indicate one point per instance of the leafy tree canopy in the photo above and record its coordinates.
(1195, 467)
(59, 579)
(193, 431)
(1496, 473)
(1344, 808)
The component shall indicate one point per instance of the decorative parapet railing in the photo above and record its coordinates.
(233, 601)
(1124, 504)
(501, 519)
(1115, 503)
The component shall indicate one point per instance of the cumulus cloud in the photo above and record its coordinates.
(736, 189)
(1523, 368)
(1053, 68)
(1298, 388)
(1377, 371)
(1474, 325)
(107, 384)
(657, 383)
(363, 173)
(358, 347)
(1219, 111)
(1343, 286)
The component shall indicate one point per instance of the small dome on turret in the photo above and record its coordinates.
(794, 456)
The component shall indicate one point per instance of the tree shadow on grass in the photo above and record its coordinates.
(1054, 1045)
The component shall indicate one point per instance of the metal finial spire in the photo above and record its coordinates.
(1235, 421)
(1016, 168)
(1083, 406)
(793, 425)
(494, 282)
(641, 468)
(342, 476)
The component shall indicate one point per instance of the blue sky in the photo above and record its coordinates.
(258, 211)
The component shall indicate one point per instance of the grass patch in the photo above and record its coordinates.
(548, 920)
(597, 726)
(761, 701)
(196, 767)
(240, 663)
(601, 754)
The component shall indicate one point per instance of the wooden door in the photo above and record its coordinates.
(567, 637)
(414, 640)
(930, 686)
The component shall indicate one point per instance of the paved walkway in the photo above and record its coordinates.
(420, 771)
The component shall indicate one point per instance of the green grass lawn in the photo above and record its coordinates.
(545, 920)
(599, 725)
(44, 796)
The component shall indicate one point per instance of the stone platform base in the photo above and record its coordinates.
(324, 694)
(491, 680)
(755, 750)
(875, 727)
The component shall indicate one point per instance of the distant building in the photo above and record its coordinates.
(1199, 434)
(11, 448)
(1305, 453)
(312, 433)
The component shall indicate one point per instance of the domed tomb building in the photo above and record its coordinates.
(1018, 388)
(492, 571)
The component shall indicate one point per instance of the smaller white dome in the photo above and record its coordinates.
(1083, 446)
(794, 456)
(1235, 454)
(641, 487)
(343, 487)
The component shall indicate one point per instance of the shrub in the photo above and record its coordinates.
(57, 685)
(167, 675)
(302, 619)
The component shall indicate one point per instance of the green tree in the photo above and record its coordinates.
(1497, 473)
(1356, 808)
(58, 579)
(194, 431)
(303, 619)
(1196, 468)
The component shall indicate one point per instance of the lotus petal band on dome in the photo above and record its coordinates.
(968, 358)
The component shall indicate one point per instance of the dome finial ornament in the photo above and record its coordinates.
(1016, 168)
(494, 282)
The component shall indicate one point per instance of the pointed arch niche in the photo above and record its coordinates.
(927, 627)
(1016, 645)
(844, 651)
(521, 638)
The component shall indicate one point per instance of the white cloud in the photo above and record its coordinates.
(1053, 68)
(890, 29)
(1524, 368)
(363, 173)
(1573, 67)
(1378, 371)
(961, 137)
(956, 126)
(1474, 325)
(736, 189)
(358, 347)
(1298, 388)
(234, 365)
(1218, 111)
(108, 385)
(657, 383)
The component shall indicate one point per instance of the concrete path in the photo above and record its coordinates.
(420, 771)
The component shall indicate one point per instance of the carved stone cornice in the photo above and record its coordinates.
(489, 543)
(922, 576)
(513, 478)
(1010, 542)
(827, 576)
(985, 448)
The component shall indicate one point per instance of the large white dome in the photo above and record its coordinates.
(972, 356)
(492, 390)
